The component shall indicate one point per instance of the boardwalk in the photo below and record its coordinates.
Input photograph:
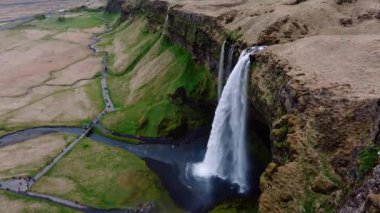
(22, 184)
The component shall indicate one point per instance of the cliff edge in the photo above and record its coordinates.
(316, 86)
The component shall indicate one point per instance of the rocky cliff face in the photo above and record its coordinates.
(316, 86)
(114, 6)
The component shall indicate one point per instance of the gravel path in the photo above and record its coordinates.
(93, 46)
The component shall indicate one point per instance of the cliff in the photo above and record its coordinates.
(315, 87)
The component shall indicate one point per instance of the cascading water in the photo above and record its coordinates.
(224, 72)
(221, 70)
(230, 60)
(165, 26)
(226, 155)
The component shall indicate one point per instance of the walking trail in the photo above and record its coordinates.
(21, 185)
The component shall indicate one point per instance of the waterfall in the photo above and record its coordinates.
(221, 70)
(226, 155)
(223, 73)
(230, 60)
(166, 22)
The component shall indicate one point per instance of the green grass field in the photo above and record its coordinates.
(104, 177)
(45, 148)
(10, 202)
(79, 20)
(94, 92)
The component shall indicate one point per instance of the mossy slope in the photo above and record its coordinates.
(160, 91)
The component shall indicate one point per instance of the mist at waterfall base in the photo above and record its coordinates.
(173, 163)
(222, 170)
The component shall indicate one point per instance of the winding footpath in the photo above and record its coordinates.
(93, 46)
(21, 185)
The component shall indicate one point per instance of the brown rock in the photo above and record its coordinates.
(276, 133)
(286, 197)
(374, 199)
(323, 185)
(270, 168)
(280, 122)
(345, 22)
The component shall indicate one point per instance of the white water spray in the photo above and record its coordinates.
(226, 155)
(221, 70)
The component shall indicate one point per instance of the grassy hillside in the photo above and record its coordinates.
(155, 85)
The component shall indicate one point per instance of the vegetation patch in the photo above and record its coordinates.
(242, 205)
(279, 136)
(367, 159)
(99, 131)
(161, 91)
(11, 202)
(105, 177)
(94, 92)
(39, 16)
(80, 20)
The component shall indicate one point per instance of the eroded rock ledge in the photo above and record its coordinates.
(317, 86)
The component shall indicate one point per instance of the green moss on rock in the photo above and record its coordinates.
(367, 159)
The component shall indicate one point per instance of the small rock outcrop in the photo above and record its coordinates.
(366, 198)
(114, 6)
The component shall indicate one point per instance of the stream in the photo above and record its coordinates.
(168, 161)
